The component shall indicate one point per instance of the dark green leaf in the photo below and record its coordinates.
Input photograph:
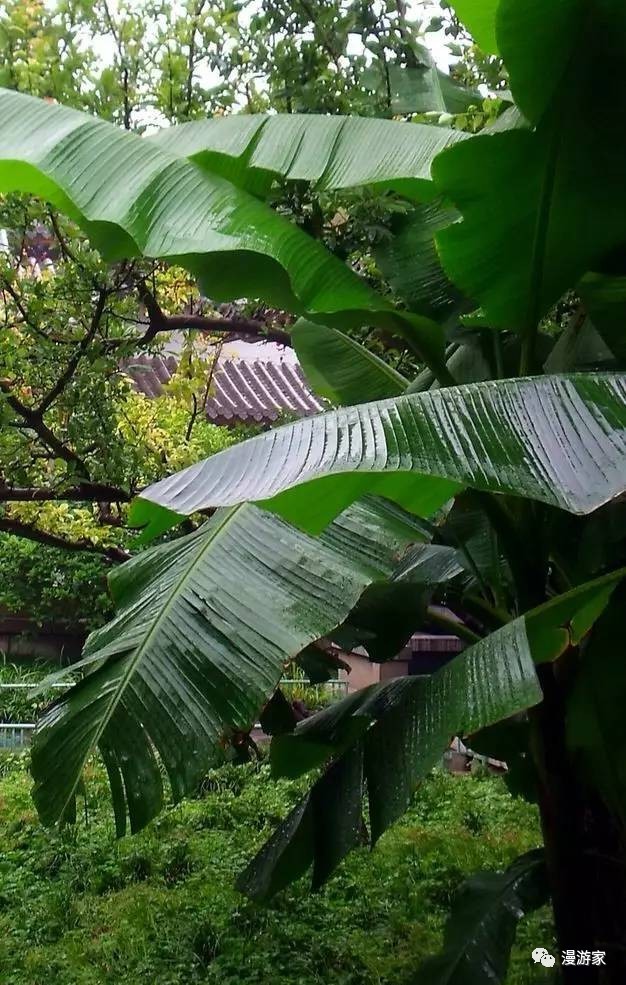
(387, 615)
(405, 725)
(595, 712)
(401, 729)
(205, 625)
(537, 42)
(480, 930)
(604, 298)
(542, 207)
(409, 261)
(324, 826)
(320, 665)
(340, 369)
(278, 716)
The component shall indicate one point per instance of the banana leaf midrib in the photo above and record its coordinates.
(158, 620)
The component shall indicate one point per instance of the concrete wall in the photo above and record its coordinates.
(21, 639)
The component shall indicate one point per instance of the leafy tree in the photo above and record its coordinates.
(53, 586)
(107, 442)
(502, 467)
(71, 423)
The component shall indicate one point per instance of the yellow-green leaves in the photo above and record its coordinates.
(479, 17)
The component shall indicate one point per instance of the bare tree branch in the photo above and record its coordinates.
(19, 529)
(70, 369)
(85, 492)
(158, 321)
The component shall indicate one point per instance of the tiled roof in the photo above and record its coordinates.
(241, 391)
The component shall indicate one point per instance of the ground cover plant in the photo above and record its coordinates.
(79, 908)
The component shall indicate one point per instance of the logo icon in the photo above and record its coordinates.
(541, 956)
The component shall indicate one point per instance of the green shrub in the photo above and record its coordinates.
(48, 584)
(19, 705)
(78, 907)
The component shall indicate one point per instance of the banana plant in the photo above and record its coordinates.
(493, 481)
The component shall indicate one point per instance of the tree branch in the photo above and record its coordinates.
(19, 529)
(72, 365)
(34, 421)
(85, 492)
(158, 321)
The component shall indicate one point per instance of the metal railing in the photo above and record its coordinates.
(17, 735)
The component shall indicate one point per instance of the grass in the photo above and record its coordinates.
(79, 908)
(18, 705)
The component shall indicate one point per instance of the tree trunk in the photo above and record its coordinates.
(585, 850)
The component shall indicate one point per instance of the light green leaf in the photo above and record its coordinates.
(333, 151)
(565, 620)
(204, 626)
(560, 440)
(419, 89)
(479, 17)
(340, 369)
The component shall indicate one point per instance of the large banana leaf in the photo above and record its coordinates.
(560, 440)
(391, 735)
(542, 207)
(333, 151)
(134, 196)
(204, 626)
(339, 368)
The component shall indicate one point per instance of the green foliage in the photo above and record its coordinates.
(19, 705)
(79, 907)
(340, 369)
(51, 585)
(506, 433)
(174, 601)
(483, 922)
